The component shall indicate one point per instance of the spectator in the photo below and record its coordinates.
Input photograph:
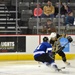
(37, 11)
(67, 8)
(69, 0)
(69, 19)
(62, 9)
(45, 0)
(48, 11)
(48, 27)
(69, 16)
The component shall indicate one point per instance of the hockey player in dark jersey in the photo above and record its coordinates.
(43, 53)
(56, 45)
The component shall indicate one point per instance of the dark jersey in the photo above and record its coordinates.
(56, 43)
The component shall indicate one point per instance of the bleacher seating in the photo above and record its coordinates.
(33, 5)
(36, 0)
(28, 1)
(71, 5)
(56, 20)
(33, 22)
(13, 2)
(43, 4)
(8, 21)
(23, 6)
(25, 16)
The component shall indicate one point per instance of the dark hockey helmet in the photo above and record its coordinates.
(45, 39)
(58, 35)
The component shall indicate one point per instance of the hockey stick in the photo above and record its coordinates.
(62, 67)
(69, 41)
(52, 55)
(61, 47)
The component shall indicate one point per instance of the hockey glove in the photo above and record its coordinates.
(70, 39)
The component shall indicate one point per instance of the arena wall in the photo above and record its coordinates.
(31, 42)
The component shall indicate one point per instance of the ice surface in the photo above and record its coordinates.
(32, 68)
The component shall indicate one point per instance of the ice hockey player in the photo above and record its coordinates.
(43, 54)
(56, 46)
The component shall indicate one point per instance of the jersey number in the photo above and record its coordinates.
(39, 46)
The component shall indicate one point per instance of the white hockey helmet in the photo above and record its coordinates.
(53, 35)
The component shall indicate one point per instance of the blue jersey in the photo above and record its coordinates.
(44, 47)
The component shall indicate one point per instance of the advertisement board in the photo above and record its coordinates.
(12, 44)
(21, 47)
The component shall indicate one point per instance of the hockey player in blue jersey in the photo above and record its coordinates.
(43, 53)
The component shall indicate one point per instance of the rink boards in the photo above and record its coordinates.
(31, 41)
